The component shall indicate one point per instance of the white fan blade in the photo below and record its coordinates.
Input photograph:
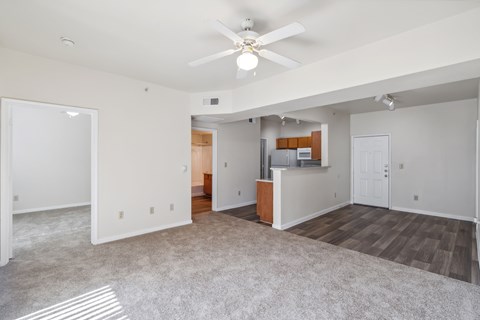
(275, 57)
(220, 27)
(282, 33)
(241, 74)
(212, 57)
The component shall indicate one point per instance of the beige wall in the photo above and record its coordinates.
(239, 147)
(436, 145)
(306, 192)
(139, 132)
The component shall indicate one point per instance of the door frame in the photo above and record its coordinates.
(390, 166)
(214, 166)
(266, 169)
(6, 181)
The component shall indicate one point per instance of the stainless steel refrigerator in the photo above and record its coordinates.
(284, 158)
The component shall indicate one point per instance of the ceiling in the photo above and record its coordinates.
(461, 90)
(153, 40)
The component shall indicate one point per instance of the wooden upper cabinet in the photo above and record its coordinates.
(292, 143)
(304, 142)
(316, 145)
(282, 143)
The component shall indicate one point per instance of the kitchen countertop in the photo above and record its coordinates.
(299, 168)
(265, 180)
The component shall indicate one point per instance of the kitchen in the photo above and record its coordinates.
(287, 144)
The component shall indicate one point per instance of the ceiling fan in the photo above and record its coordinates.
(251, 43)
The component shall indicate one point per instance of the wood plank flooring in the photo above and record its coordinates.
(439, 245)
(201, 204)
(247, 213)
(443, 246)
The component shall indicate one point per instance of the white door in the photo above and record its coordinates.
(371, 171)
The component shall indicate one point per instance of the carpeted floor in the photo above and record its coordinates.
(225, 268)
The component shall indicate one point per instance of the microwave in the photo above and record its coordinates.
(304, 154)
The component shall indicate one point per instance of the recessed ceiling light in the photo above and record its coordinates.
(67, 42)
(72, 114)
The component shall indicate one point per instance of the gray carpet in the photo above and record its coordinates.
(227, 268)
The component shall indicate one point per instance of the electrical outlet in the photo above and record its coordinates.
(120, 215)
(415, 197)
(152, 210)
(172, 207)
(239, 192)
(16, 198)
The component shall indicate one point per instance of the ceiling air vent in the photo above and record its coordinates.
(211, 101)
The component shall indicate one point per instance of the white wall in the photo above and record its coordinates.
(436, 144)
(138, 133)
(270, 130)
(239, 147)
(304, 129)
(309, 191)
(50, 160)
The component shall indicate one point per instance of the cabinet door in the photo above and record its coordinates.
(282, 143)
(292, 143)
(316, 145)
(265, 201)
(304, 142)
(207, 139)
(207, 184)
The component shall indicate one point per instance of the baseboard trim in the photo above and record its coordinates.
(198, 194)
(312, 216)
(142, 232)
(62, 206)
(435, 214)
(233, 206)
(478, 242)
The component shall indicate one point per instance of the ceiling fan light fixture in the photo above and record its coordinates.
(247, 60)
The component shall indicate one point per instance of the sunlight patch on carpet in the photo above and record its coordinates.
(100, 304)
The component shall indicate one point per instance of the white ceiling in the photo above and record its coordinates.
(461, 90)
(153, 40)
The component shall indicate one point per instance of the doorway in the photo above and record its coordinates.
(48, 173)
(371, 170)
(203, 164)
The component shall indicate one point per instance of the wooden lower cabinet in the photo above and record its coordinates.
(207, 184)
(265, 201)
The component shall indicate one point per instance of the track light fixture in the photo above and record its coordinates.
(388, 100)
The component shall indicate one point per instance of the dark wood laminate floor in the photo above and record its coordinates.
(444, 246)
(439, 245)
(201, 204)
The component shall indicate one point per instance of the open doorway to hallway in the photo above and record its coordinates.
(48, 177)
(202, 171)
